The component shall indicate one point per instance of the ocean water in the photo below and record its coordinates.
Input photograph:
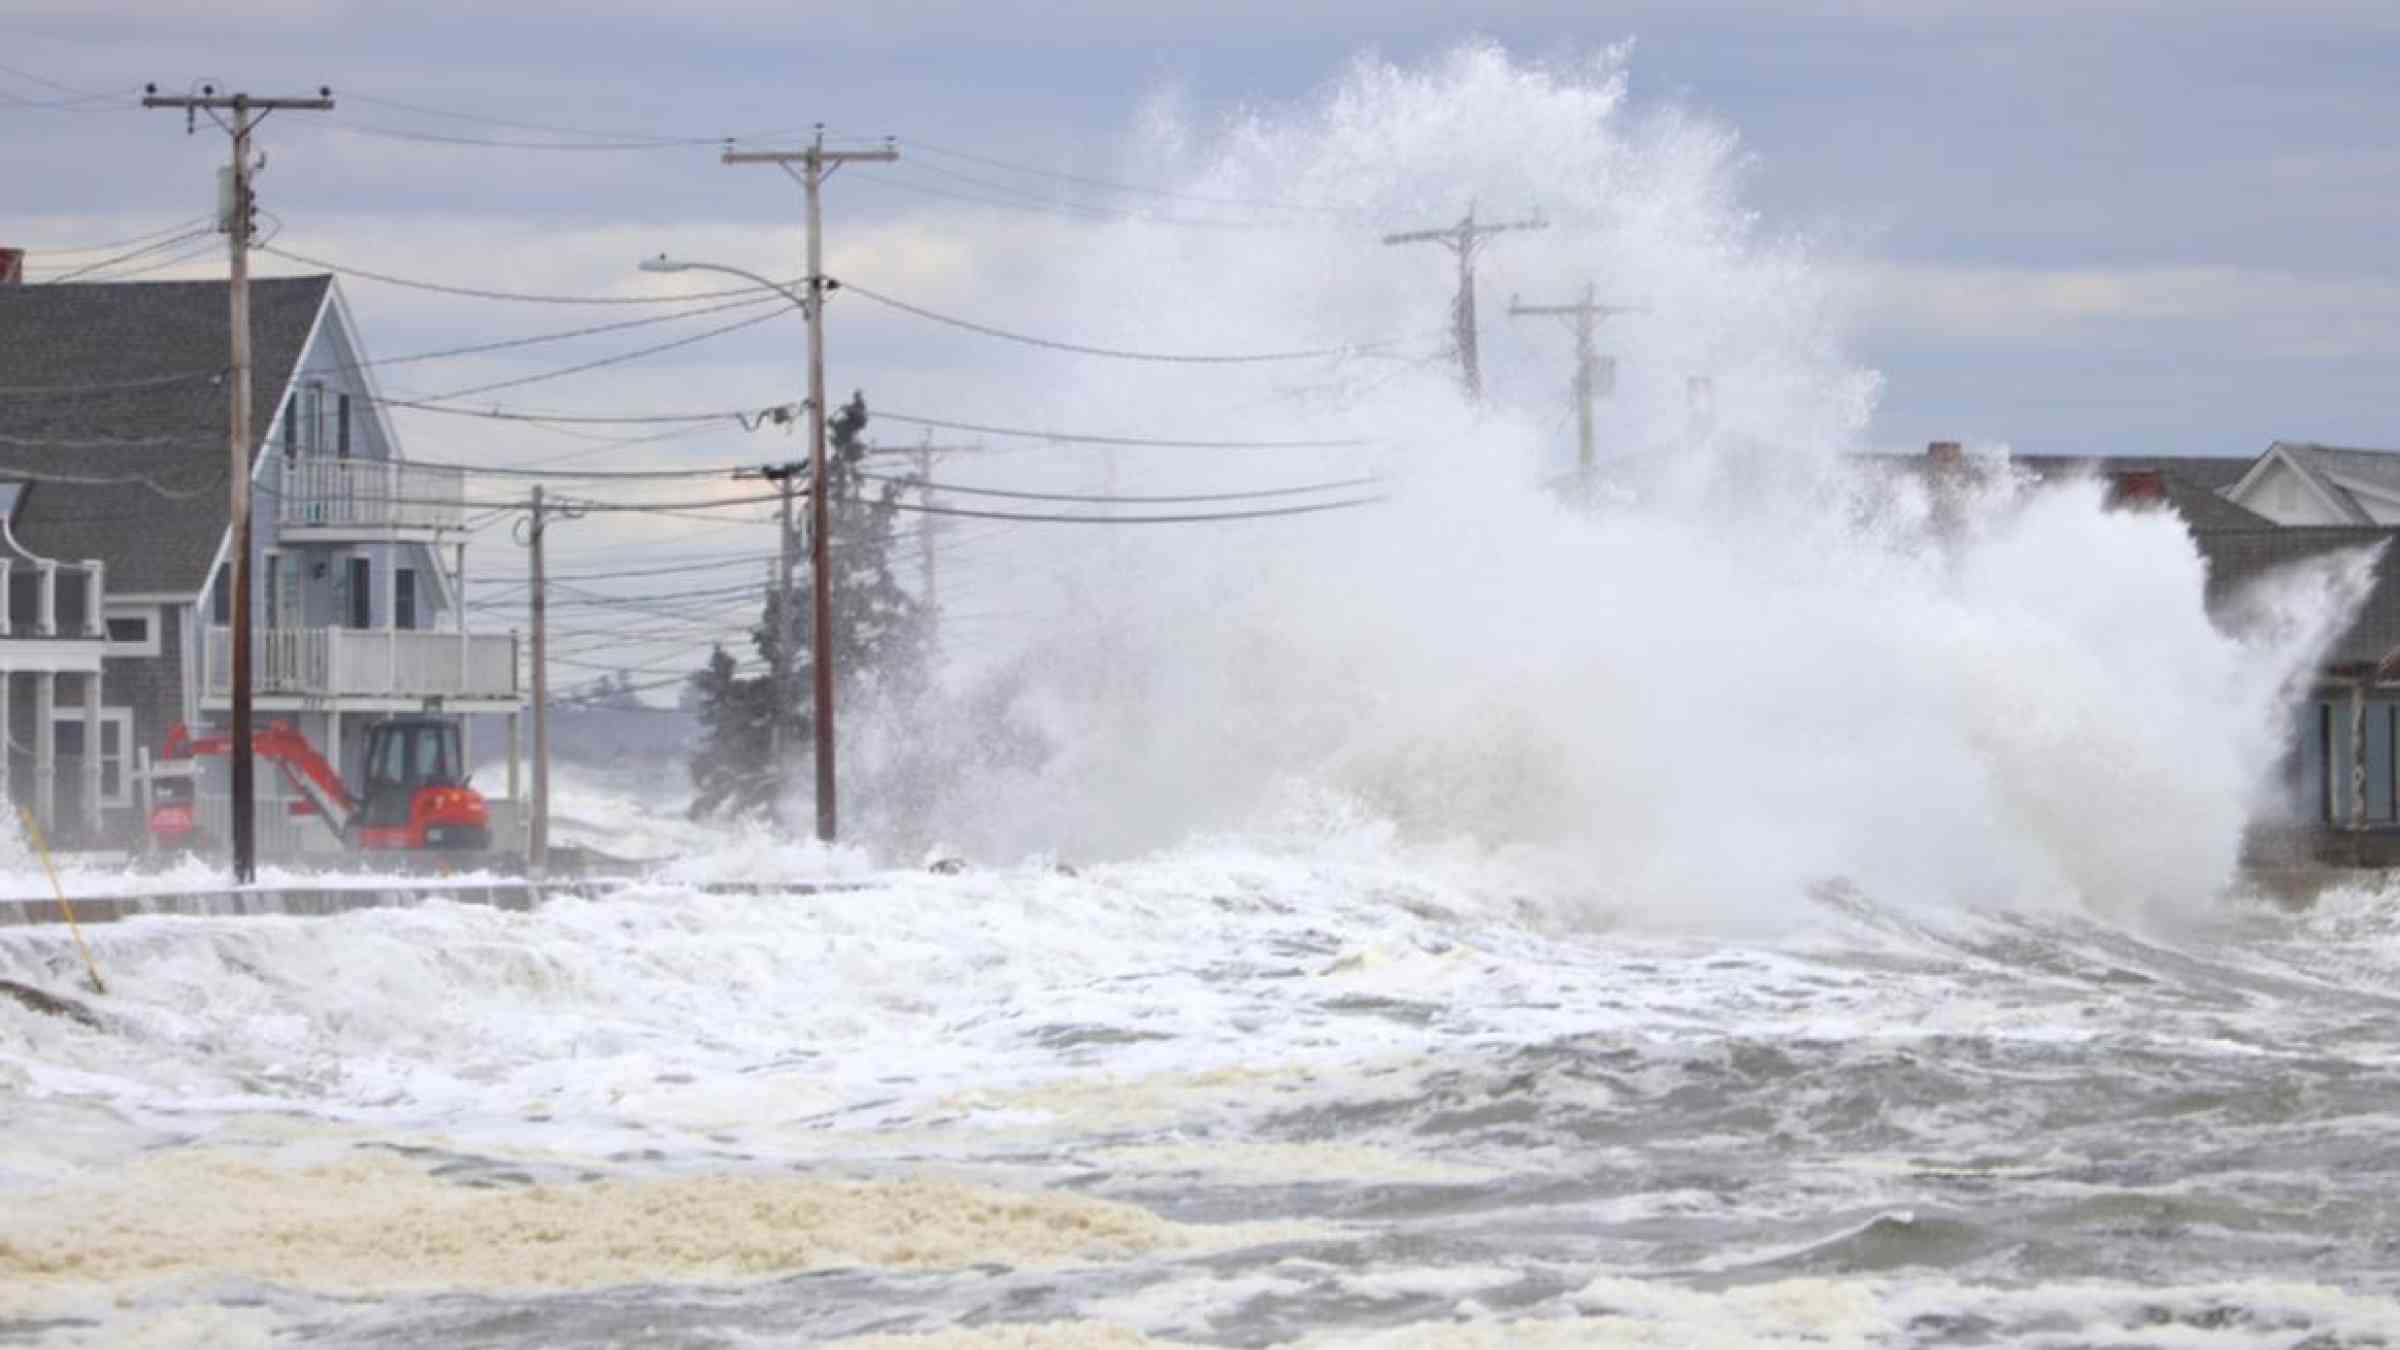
(1778, 905)
(1253, 1091)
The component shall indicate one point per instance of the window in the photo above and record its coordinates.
(313, 414)
(341, 435)
(362, 600)
(291, 427)
(116, 733)
(274, 590)
(404, 598)
(132, 632)
(220, 600)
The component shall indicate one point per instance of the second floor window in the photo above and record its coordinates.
(362, 600)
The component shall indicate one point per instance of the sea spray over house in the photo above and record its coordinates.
(1758, 663)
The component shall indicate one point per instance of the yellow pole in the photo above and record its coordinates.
(34, 832)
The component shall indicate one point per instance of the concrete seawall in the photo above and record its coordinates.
(318, 901)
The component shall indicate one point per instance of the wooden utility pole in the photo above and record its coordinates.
(1592, 379)
(537, 828)
(817, 164)
(1463, 240)
(240, 211)
(786, 624)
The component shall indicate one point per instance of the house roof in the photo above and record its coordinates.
(2323, 463)
(2193, 484)
(119, 380)
(2239, 558)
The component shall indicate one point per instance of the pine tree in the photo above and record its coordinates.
(882, 639)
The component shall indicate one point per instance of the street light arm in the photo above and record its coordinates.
(663, 264)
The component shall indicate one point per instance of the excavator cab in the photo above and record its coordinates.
(415, 792)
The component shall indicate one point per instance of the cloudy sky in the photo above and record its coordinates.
(2076, 227)
(2071, 228)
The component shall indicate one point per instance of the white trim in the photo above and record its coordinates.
(2279, 453)
(155, 597)
(147, 644)
(2382, 492)
(362, 370)
(122, 719)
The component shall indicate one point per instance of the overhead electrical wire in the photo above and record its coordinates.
(1177, 358)
(1301, 490)
(194, 223)
(604, 362)
(171, 242)
(1264, 204)
(1074, 438)
(475, 293)
(1263, 513)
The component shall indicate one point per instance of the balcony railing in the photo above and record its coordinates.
(368, 663)
(52, 599)
(368, 494)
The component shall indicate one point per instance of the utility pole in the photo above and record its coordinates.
(537, 830)
(1463, 240)
(786, 623)
(1589, 372)
(240, 207)
(817, 164)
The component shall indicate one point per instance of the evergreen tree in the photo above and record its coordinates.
(881, 638)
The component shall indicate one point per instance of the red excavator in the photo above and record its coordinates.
(416, 795)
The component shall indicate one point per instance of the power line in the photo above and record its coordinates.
(1299, 491)
(1179, 358)
(1261, 514)
(186, 236)
(1078, 439)
(617, 360)
(474, 293)
(1136, 188)
(179, 226)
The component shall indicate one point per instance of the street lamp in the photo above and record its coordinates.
(821, 577)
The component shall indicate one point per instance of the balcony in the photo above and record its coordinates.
(51, 614)
(338, 500)
(370, 666)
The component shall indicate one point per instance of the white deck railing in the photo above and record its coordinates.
(368, 494)
(41, 598)
(368, 663)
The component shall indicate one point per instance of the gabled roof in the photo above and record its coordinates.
(111, 380)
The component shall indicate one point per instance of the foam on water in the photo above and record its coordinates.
(1777, 906)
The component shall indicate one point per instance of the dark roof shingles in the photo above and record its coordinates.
(125, 379)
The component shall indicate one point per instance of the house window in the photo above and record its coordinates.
(314, 416)
(404, 598)
(341, 435)
(291, 427)
(2325, 768)
(220, 600)
(132, 632)
(274, 590)
(362, 600)
(116, 734)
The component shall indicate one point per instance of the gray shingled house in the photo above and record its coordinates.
(2250, 518)
(114, 532)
